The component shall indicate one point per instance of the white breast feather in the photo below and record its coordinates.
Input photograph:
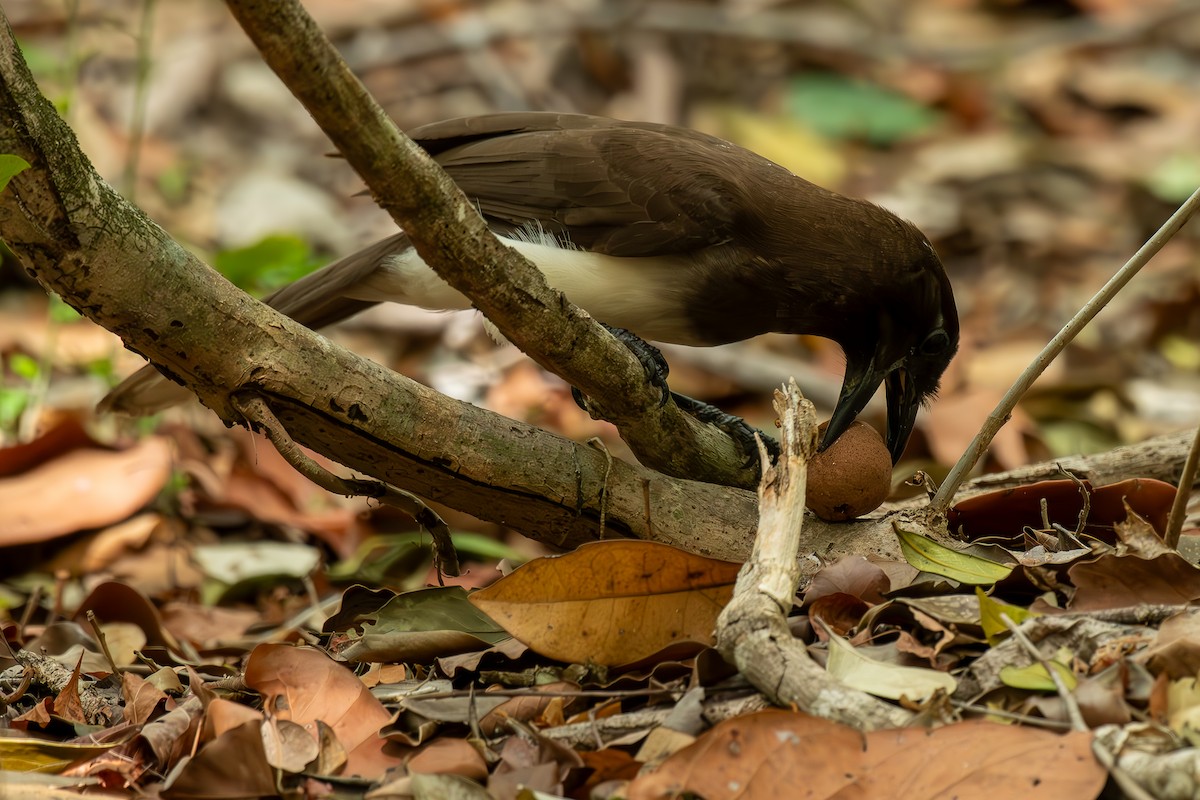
(641, 294)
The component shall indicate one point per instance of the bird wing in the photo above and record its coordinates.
(618, 188)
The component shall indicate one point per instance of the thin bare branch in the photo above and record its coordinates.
(1182, 493)
(1004, 408)
(453, 239)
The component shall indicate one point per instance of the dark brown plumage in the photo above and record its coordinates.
(677, 236)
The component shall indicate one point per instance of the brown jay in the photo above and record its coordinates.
(674, 235)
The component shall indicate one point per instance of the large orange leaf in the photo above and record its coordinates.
(312, 687)
(611, 602)
(82, 489)
(770, 754)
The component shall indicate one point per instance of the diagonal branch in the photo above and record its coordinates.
(500, 282)
(79, 238)
(1003, 410)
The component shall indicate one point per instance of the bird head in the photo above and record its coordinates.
(906, 343)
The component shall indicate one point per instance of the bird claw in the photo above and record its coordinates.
(649, 356)
(737, 428)
(656, 368)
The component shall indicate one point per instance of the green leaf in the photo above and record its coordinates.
(12, 405)
(1175, 177)
(419, 625)
(382, 560)
(60, 312)
(174, 181)
(104, 369)
(929, 556)
(990, 610)
(10, 166)
(1035, 677)
(437, 608)
(267, 264)
(844, 108)
(23, 366)
(480, 546)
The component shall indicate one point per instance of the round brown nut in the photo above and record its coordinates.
(852, 477)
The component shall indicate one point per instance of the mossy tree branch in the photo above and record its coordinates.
(79, 238)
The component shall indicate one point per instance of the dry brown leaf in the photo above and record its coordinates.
(141, 698)
(611, 602)
(232, 765)
(609, 764)
(768, 754)
(288, 746)
(524, 708)
(446, 756)
(853, 575)
(305, 685)
(842, 612)
(1125, 581)
(113, 601)
(221, 716)
(68, 705)
(1005, 513)
(532, 762)
(67, 435)
(1175, 651)
(207, 626)
(82, 489)
(1136, 536)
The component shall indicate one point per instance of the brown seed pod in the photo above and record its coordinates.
(850, 478)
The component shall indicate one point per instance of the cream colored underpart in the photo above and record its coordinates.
(640, 294)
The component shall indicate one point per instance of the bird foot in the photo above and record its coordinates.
(656, 368)
(738, 429)
(649, 356)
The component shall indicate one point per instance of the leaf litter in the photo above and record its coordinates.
(141, 666)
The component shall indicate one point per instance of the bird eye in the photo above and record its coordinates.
(935, 343)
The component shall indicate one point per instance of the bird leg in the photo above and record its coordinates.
(656, 373)
(738, 429)
(650, 357)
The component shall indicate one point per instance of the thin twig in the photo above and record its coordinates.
(1123, 779)
(1024, 719)
(258, 414)
(102, 640)
(1004, 409)
(1182, 493)
(1073, 712)
(35, 599)
(598, 443)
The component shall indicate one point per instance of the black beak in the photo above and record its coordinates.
(902, 407)
(858, 387)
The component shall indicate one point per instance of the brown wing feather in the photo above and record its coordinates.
(620, 188)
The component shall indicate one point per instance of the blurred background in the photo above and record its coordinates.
(1037, 143)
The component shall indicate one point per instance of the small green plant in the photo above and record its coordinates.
(267, 264)
(20, 375)
(10, 166)
(844, 108)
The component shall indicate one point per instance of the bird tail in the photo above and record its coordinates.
(316, 300)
